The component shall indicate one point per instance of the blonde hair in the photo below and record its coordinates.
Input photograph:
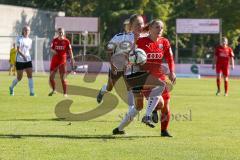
(151, 23)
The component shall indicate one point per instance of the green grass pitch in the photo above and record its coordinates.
(204, 126)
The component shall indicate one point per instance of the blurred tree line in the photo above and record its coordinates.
(112, 14)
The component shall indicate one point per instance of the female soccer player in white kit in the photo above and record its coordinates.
(136, 24)
(23, 60)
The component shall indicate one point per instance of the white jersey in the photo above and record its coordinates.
(24, 44)
(122, 37)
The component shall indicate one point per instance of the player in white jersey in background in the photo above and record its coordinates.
(23, 60)
(136, 24)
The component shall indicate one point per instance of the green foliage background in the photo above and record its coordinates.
(113, 13)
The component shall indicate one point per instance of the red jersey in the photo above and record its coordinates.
(62, 47)
(156, 51)
(223, 54)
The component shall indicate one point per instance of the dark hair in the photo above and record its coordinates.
(60, 29)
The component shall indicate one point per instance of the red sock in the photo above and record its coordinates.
(218, 84)
(226, 86)
(64, 85)
(165, 118)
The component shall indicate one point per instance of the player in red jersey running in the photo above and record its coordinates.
(223, 54)
(60, 47)
(157, 48)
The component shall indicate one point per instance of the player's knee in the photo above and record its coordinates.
(160, 103)
(166, 107)
(29, 76)
(139, 107)
(63, 80)
(225, 78)
(19, 78)
(138, 104)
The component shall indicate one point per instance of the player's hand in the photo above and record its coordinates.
(73, 62)
(172, 77)
(24, 58)
(114, 69)
(54, 51)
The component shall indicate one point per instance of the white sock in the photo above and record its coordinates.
(128, 118)
(152, 103)
(30, 84)
(14, 83)
(130, 107)
(153, 99)
(104, 89)
(130, 98)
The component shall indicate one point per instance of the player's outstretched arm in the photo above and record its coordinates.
(72, 58)
(232, 63)
(172, 77)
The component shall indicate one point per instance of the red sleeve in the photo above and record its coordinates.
(169, 56)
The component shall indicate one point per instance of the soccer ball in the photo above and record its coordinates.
(138, 56)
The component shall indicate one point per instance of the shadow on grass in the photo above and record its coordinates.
(86, 137)
(59, 119)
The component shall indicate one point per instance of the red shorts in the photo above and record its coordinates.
(222, 67)
(55, 65)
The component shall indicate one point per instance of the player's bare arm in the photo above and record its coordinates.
(232, 62)
(72, 58)
(172, 77)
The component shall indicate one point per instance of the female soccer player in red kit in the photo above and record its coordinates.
(60, 47)
(223, 54)
(157, 48)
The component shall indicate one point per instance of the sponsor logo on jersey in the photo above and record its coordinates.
(160, 46)
(223, 54)
(59, 47)
(154, 56)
